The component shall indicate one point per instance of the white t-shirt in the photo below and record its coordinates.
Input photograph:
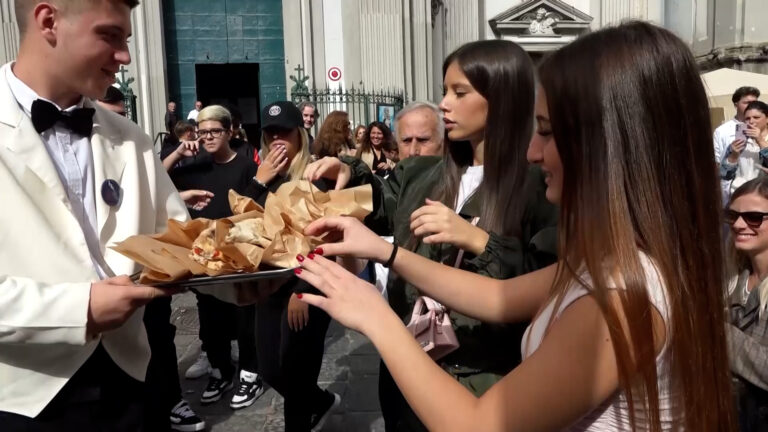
(613, 413)
(470, 180)
(193, 115)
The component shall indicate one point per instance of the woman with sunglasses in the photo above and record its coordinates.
(747, 159)
(747, 327)
(627, 331)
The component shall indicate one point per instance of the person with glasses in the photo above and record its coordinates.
(225, 170)
(747, 326)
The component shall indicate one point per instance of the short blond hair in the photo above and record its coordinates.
(215, 113)
(22, 8)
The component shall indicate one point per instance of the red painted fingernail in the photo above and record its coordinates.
(311, 256)
(300, 257)
(318, 251)
(297, 271)
(298, 296)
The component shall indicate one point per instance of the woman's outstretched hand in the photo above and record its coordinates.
(348, 299)
(347, 236)
(330, 168)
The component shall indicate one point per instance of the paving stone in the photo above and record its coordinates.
(350, 368)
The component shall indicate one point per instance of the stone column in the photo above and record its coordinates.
(9, 32)
(148, 66)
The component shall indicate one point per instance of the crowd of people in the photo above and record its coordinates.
(563, 220)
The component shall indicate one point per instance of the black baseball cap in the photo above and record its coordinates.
(281, 114)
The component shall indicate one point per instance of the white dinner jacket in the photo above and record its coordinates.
(45, 265)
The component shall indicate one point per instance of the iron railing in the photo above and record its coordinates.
(362, 105)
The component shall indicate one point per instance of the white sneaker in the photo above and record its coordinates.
(200, 367)
(234, 351)
(248, 390)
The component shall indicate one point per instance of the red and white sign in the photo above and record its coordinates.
(334, 74)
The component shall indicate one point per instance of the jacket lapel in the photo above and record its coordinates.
(744, 306)
(108, 163)
(25, 142)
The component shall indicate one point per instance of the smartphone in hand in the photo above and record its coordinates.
(741, 129)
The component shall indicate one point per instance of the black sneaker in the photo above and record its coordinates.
(184, 419)
(250, 388)
(318, 419)
(217, 386)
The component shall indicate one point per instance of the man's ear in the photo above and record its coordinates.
(45, 21)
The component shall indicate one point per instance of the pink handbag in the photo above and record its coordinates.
(431, 324)
(432, 329)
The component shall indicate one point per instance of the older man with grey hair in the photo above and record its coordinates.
(419, 130)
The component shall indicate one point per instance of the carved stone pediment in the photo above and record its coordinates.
(541, 25)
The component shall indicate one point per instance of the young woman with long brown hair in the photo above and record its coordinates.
(334, 138)
(428, 204)
(627, 330)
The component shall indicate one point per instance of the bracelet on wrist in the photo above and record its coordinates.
(391, 259)
(264, 185)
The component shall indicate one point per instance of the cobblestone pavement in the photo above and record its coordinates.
(350, 368)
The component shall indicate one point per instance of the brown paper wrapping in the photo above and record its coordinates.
(166, 257)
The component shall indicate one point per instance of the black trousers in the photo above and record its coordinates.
(163, 390)
(290, 361)
(398, 415)
(99, 397)
(218, 321)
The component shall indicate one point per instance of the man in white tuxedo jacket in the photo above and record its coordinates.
(70, 329)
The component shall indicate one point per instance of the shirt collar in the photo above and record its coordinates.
(25, 95)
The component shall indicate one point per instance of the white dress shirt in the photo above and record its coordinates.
(193, 115)
(724, 135)
(73, 158)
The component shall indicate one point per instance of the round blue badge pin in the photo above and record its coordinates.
(111, 192)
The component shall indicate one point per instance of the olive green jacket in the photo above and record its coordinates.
(484, 347)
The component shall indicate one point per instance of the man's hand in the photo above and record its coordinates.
(196, 199)
(114, 300)
(188, 148)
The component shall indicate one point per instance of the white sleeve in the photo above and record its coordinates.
(50, 314)
(719, 150)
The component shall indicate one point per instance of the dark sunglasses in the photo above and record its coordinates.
(753, 219)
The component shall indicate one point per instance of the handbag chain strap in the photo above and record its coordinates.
(459, 258)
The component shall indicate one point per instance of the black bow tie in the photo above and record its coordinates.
(45, 115)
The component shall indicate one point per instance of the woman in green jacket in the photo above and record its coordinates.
(427, 204)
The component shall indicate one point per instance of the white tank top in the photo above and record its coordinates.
(613, 414)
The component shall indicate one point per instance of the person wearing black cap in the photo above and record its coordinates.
(283, 321)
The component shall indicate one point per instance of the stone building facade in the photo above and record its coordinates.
(211, 49)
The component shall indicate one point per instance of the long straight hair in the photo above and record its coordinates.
(631, 124)
(503, 74)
